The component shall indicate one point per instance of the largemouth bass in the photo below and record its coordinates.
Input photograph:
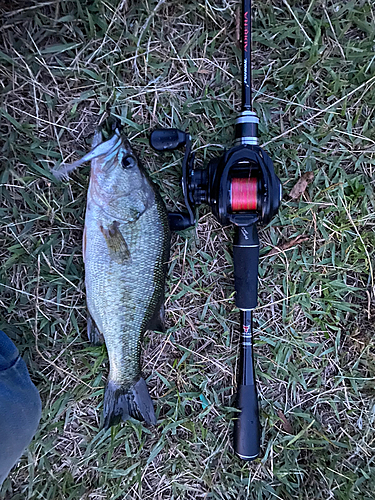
(125, 250)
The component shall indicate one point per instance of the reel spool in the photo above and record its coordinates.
(244, 194)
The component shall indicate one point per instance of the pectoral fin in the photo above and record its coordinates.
(118, 249)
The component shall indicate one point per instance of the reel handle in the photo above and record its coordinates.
(169, 139)
(245, 261)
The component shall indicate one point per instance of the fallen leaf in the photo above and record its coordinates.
(285, 422)
(288, 244)
(300, 187)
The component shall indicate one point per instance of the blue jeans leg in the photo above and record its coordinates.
(20, 406)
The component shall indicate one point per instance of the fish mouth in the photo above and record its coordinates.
(109, 157)
(105, 154)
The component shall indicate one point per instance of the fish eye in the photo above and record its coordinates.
(129, 161)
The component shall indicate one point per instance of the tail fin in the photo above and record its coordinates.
(121, 403)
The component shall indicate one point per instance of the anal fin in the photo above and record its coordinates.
(157, 322)
(93, 332)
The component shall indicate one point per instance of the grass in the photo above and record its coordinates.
(66, 65)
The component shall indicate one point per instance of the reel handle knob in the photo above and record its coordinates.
(178, 221)
(167, 139)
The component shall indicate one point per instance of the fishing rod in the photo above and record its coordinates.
(241, 188)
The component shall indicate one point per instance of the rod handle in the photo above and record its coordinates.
(245, 263)
(246, 427)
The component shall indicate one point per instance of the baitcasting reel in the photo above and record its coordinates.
(241, 188)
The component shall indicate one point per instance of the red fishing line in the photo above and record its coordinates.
(244, 194)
